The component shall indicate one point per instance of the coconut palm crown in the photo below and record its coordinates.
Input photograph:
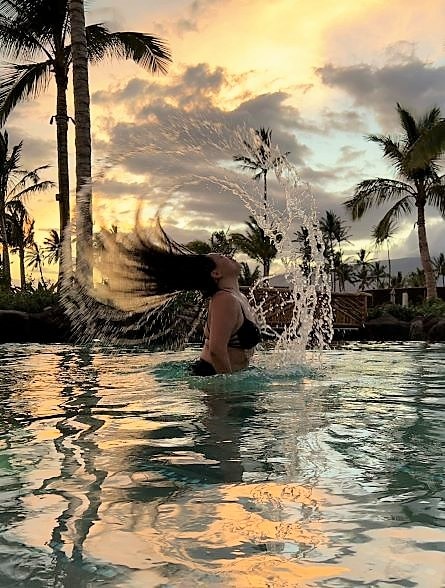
(260, 158)
(418, 185)
(35, 35)
(16, 185)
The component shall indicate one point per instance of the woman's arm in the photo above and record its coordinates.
(223, 317)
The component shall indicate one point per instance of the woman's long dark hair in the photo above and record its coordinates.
(150, 263)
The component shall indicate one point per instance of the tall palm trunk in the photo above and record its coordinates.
(63, 196)
(5, 252)
(389, 264)
(42, 278)
(430, 282)
(22, 267)
(265, 194)
(84, 221)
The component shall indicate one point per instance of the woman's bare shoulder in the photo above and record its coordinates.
(224, 299)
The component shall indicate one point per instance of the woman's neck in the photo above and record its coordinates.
(228, 284)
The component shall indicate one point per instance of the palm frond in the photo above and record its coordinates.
(13, 161)
(148, 51)
(17, 209)
(402, 207)
(435, 196)
(246, 162)
(372, 193)
(20, 82)
(34, 189)
(429, 147)
(391, 150)
(52, 247)
(384, 232)
(409, 125)
(17, 41)
(27, 176)
(430, 119)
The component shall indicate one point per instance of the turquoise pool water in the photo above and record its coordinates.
(117, 469)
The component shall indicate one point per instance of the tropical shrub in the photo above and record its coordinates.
(30, 300)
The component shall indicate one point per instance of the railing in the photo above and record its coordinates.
(349, 308)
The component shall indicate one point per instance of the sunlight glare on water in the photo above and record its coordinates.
(119, 469)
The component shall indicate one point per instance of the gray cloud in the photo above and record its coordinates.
(348, 154)
(180, 136)
(183, 142)
(416, 84)
(350, 121)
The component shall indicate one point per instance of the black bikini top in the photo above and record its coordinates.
(247, 336)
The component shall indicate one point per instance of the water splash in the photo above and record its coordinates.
(288, 218)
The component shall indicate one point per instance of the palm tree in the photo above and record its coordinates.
(397, 281)
(35, 33)
(256, 245)
(35, 261)
(219, 242)
(439, 267)
(362, 275)
(334, 232)
(16, 184)
(416, 279)
(305, 250)
(386, 232)
(248, 277)
(260, 159)
(419, 184)
(345, 273)
(51, 247)
(378, 272)
(81, 89)
(20, 227)
(199, 247)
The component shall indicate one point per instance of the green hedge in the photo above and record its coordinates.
(29, 300)
(430, 308)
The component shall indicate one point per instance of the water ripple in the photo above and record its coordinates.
(119, 469)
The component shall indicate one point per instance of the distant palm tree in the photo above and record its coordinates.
(416, 279)
(20, 228)
(439, 266)
(345, 273)
(334, 232)
(51, 248)
(219, 242)
(378, 273)
(397, 281)
(419, 186)
(256, 245)
(382, 233)
(35, 33)
(35, 261)
(260, 159)
(248, 277)
(362, 275)
(305, 250)
(199, 247)
(16, 184)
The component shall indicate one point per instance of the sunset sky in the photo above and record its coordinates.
(321, 75)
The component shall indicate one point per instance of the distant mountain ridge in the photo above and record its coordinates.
(406, 265)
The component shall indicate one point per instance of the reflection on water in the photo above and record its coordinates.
(118, 469)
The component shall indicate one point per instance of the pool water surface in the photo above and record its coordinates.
(119, 469)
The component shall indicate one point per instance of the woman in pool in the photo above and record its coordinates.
(230, 333)
(154, 265)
